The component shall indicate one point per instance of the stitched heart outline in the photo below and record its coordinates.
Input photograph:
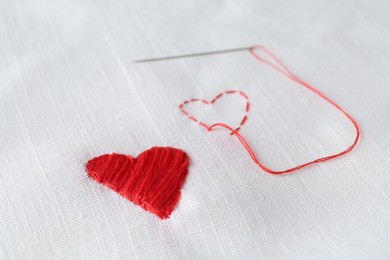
(211, 102)
(272, 61)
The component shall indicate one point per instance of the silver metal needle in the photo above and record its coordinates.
(193, 55)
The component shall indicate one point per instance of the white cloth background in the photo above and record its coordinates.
(69, 91)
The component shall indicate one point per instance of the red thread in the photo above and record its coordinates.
(231, 91)
(228, 92)
(217, 97)
(152, 180)
(279, 66)
(242, 94)
(243, 120)
(247, 107)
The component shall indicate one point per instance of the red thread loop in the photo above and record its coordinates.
(276, 64)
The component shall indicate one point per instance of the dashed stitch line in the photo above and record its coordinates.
(218, 96)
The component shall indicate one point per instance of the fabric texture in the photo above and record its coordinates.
(70, 91)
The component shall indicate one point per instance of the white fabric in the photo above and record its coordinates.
(69, 91)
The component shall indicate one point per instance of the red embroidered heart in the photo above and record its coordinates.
(217, 97)
(152, 180)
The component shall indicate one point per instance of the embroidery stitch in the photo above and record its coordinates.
(280, 67)
(152, 180)
(216, 98)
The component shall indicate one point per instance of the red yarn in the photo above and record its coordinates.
(279, 66)
(152, 180)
